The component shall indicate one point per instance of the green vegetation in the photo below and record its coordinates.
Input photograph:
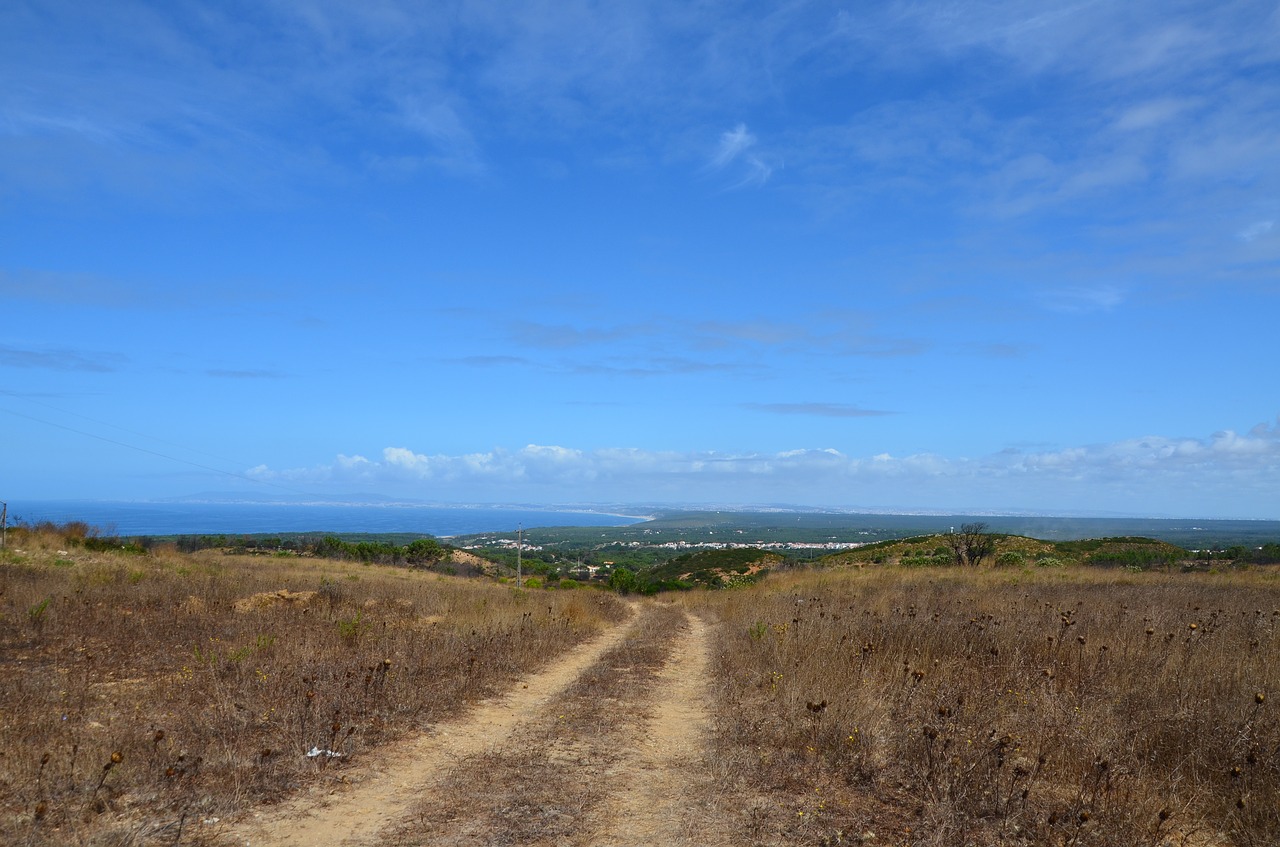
(1019, 551)
(681, 551)
(424, 551)
(1266, 554)
(715, 569)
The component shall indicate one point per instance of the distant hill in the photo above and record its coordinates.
(1018, 551)
(1188, 533)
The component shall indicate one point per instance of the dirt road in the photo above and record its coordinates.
(603, 748)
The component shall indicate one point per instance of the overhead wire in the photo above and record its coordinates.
(157, 453)
(29, 399)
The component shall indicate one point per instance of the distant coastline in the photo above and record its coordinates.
(212, 517)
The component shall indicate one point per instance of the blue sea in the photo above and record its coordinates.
(130, 518)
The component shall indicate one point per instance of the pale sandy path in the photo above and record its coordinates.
(354, 814)
(663, 794)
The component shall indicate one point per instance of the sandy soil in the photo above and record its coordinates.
(664, 795)
(644, 784)
(366, 801)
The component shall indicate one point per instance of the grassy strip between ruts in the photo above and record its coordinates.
(547, 784)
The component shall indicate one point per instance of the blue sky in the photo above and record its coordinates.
(890, 255)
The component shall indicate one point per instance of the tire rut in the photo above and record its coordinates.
(615, 760)
(603, 749)
(355, 814)
(665, 795)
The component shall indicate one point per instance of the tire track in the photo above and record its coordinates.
(552, 781)
(356, 814)
(604, 749)
(665, 793)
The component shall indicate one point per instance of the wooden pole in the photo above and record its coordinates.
(519, 545)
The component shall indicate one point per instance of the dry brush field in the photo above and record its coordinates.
(166, 699)
(147, 695)
(947, 707)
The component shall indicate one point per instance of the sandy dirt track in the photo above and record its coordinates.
(664, 793)
(633, 780)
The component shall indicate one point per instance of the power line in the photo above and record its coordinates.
(156, 453)
(148, 436)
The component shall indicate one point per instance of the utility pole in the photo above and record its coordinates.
(519, 544)
(4, 523)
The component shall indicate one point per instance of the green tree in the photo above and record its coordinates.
(624, 581)
(423, 551)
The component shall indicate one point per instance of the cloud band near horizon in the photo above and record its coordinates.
(1136, 476)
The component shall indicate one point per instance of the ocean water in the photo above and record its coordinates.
(129, 518)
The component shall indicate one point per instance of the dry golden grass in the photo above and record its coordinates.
(947, 707)
(549, 783)
(148, 695)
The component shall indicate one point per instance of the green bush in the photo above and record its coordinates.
(624, 581)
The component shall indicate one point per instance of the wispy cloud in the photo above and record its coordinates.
(738, 146)
(59, 359)
(1100, 39)
(658, 346)
(768, 333)
(657, 366)
(564, 336)
(75, 289)
(733, 143)
(822, 410)
(1083, 299)
(1153, 113)
(1255, 230)
(453, 147)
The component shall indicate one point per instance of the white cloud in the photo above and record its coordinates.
(1221, 475)
(732, 144)
(736, 146)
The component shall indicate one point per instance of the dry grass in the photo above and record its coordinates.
(548, 784)
(148, 695)
(945, 707)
